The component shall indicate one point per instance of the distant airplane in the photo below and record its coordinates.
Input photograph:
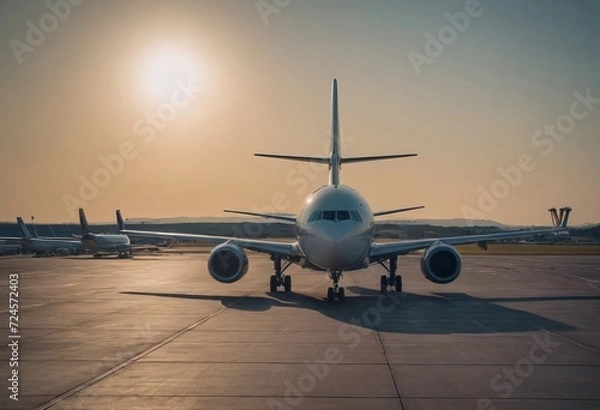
(9, 247)
(334, 231)
(103, 244)
(43, 246)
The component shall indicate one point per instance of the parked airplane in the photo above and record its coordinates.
(335, 234)
(42, 246)
(103, 244)
(9, 247)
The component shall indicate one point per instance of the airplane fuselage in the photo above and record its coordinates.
(49, 246)
(106, 243)
(335, 229)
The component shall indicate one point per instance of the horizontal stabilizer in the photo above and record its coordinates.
(394, 211)
(375, 158)
(271, 216)
(320, 160)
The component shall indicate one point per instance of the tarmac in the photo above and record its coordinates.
(157, 332)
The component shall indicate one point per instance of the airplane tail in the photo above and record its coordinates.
(120, 221)
(85, 228)
(335, 159)
(25, 234)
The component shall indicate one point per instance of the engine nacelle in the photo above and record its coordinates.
(227, 263)
(441, 263)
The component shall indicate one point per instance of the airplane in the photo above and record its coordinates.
(104, 244)
(166, 242)
(43, 246)
(334, 233)
(8, 247)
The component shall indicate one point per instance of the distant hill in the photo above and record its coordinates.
(263, 228)
(456, 222)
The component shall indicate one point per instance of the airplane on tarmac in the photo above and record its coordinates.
(334, 233)
(48, 246)
(103, 244)
(9, 247)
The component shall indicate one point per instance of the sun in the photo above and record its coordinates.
(166, 71)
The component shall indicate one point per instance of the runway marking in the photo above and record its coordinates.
(385, 355)
(138, 356)
(566, 339)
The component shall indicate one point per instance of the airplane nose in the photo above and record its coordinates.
(336, 236)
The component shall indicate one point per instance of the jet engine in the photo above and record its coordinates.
(441, 263)
(227, 263)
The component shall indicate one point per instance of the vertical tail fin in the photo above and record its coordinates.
(25, 234)
(85, 228)
(120, 222)
(335, 157)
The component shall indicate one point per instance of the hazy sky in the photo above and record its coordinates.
(156, 107)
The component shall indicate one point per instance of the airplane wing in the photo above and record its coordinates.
(271, 247)
(381, 251)
(263, 215)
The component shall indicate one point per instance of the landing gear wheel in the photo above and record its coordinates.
(398, 283)
(383, 284)
(341, 294)
(287, 283)
(330, 295)
(273, 284)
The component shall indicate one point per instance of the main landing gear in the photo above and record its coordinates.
(395, 281)
(279, 279)
(335, 291)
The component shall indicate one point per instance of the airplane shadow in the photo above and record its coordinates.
(436, 313)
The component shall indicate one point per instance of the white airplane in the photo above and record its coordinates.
(334, 233)
(9, 247)
(47, 246)
(103, 244)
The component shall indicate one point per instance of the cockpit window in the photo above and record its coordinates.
(329, 215)
(343, 215)
(315, 216)
(356, 216)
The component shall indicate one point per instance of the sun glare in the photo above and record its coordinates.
(165, 72)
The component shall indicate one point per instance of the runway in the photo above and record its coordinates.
(156, 332)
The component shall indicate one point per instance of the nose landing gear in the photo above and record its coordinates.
(394, 280)
(336, 290)
(279, 279)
